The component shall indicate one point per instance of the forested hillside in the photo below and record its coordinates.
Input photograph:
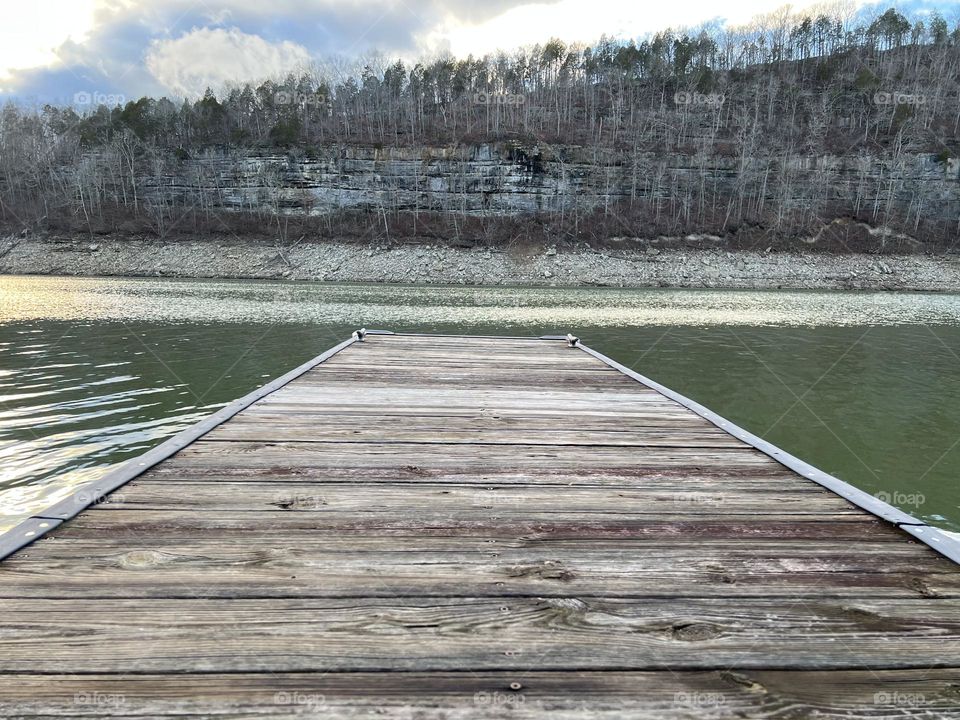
(791, 129)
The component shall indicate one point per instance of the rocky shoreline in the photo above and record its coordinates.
(435, 264)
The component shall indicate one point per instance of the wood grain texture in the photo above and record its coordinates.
(161, 564)
(451, 499)
(828, 695)
(440, 527)
(197, 633)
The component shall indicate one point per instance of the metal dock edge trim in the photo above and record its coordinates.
(934, 537)
(25, 533)
(95, 491)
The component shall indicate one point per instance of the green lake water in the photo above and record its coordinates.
(96, 371)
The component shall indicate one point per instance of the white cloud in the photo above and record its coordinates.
(207, 57)
(31, 33)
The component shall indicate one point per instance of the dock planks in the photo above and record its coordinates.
(427, 526)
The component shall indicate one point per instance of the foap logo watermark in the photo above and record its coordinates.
(98, 98)
(286, 97)
(94, 698)
(289, 501)
(502, 499)
(484, 299)
(697, 499)
(901, 499)
(899, 699)
(898, 98)
(500, 699)
(687, 97)
(699, 700)
(488, 98)
(313, 701)
(95, 497)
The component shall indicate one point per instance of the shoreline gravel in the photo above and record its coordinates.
(435, 264)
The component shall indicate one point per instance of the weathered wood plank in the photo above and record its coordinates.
(125, 525)
(160, 565)
(370, 407)
(678, 479)
(545, 369)
(429, 499)
(462, 340)
(480, 372)
(466, 345)
(559, 374)
(665, 695)
(480, 362)
(423, 634)
(463, 381)
(492, 354)
(293, 454)
(369, 397)
(678, 421)
(253, 430)
(473, 397)
(372, 411)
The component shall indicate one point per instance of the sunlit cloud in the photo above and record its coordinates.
(31, 32)
(206, 58)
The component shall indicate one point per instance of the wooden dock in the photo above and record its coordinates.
(449, 527)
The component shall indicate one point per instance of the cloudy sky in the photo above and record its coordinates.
(51, 50)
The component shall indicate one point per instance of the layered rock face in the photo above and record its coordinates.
(504, 179)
